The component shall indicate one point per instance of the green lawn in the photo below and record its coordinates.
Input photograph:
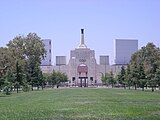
(81, 104)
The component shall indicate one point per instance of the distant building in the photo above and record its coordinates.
(124, 48)
(104, 60)
(82, 69)
(60, 60)
(47, 60)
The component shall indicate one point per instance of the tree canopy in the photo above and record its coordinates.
(143, 69)
(20, 62)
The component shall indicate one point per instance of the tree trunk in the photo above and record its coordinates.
(42, 86)
(17, 89)
(142, 88)
(7, 93)
(146, 86)
(152, 89)
(32, 87)
(38, 87)
(129, 87)
(135, 87)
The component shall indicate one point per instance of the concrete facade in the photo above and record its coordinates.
(47, 60)
(82, 69)
(124, 48)
(104, 60)
(60, 60)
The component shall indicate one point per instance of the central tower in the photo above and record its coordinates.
(82, 44)
(82, 65)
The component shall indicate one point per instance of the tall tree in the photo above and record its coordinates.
(134, 76)
(121, 78)
(141, 76)
(144, 64)
(28, 51)
(17, 48)
(56, 78)
(151, 63)
(157, 77)
(111, 79)
(33, 72)
(8, 82)
(5, 61)
(128, 77)
(104, 78)
(18, 76)
(34, 47)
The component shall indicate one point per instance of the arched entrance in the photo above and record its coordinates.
(82, 78)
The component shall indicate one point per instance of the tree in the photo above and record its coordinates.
(47, 79)
(35, 52)
(144, 64)
(28, 51)
(26, 47)
(141, 76)
(7, 87)
(39, 77)
(151, 63)
(121, 78)
(18, 76)
(128, 76)
(33, 73)
(56, 78)
(16, 48)
(5, 61)
(34, 47)
(8, 82)
(104, 78)
(60, 78)
(111, 79)
(157, 77)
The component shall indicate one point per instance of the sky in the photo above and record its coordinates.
(61, 21)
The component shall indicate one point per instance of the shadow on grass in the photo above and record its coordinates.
(5, 95)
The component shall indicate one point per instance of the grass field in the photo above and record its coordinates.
(81, 104)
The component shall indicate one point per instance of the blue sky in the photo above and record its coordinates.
(61, 20)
